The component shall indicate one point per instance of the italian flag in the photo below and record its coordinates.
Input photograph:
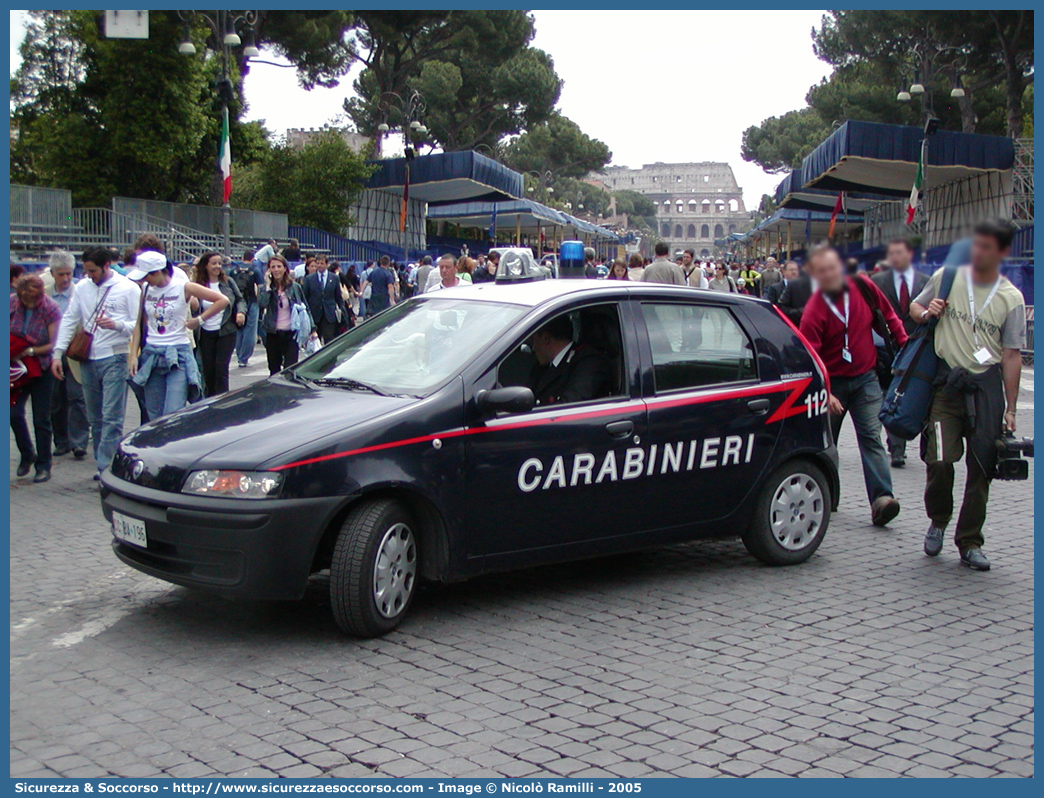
(915, 192)
(225, 159)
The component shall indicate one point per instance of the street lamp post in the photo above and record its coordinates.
(544, 180)
(412, 109)
(223, 25)
(926, 59)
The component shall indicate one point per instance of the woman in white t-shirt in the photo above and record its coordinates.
(166, 367)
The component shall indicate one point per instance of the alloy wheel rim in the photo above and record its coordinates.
(796, 512)
(394, 571)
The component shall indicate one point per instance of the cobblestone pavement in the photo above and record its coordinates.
(869, 660)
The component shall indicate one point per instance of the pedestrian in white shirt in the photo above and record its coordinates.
(106, 305)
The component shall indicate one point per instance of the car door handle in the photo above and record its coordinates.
(620, 429)
(758, 407)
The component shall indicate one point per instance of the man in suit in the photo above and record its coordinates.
(788, 274)
(567, 372)
(796, 295)
(322, 292)
(900, 282)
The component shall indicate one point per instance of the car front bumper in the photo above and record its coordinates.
(253, 549)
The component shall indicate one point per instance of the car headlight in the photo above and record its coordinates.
(234, 484)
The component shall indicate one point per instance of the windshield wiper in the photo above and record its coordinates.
(298, 377)
(350, 384)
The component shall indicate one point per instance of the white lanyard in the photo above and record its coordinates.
(844, 320)
(971, 304)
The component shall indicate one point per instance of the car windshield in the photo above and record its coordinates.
(410, 349)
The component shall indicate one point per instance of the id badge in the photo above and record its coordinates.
(846, 355)
(982, 356)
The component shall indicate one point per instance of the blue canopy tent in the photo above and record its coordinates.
(518, 215)
(791, 193)
(882, 159)
(448, 177)
(806, 223)
(789, 229)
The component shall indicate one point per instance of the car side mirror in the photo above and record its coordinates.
(514, 399)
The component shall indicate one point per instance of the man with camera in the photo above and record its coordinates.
(979, 337)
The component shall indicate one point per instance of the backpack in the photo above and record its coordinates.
(244, 276)
(886, 350)
(904, 411)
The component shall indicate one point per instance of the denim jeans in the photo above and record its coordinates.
(105, 393)
(165, 391)
(38, 391)
(69, 412)
(246, 336)
(861, 397)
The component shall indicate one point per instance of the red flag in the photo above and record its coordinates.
(837, 209)
(405, 199)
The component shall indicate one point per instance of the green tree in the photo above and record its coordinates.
(314, 185)
(780, 142)
(639, 208)
(479, 77)
(107, 117)
(991, 50)
(874, 56)
(316, 42)
(100, 117)
(559, 145)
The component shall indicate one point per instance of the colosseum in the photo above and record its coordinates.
(696, 203)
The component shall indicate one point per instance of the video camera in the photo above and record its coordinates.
(1010, 462)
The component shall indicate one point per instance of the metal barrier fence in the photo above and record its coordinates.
(33, 206)
(104, 227)
(338, 246)
(246, 225)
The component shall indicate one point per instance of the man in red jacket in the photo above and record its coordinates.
(838, 322)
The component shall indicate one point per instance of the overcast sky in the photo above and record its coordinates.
(672, 86)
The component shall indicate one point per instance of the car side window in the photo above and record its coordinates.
(695, 346)
(591, 368)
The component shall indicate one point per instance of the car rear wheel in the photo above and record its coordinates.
(373, 575)
(791, 515)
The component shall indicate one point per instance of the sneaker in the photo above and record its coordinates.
(24, 467)
(884, 509)
(79, 454)
(243, 365)
(975, 559)
(42, 475)
(61, 451)
(933, 540)
(97, 476)
(898, 461)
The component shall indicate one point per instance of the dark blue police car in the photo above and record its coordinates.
(454, 435)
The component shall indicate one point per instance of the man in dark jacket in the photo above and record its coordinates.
(788, 274)
(795, 296)
(900, 283)
(322, 292)
(567, 372)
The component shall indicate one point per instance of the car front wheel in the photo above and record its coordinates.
(373, 576)
(791, 515)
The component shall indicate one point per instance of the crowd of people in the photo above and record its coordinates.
(168, 331)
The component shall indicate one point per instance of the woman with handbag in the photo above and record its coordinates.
(217, 335)
(276, 302)
(166, 368)
(34, 328)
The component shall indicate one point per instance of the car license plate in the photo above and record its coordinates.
(129, 530)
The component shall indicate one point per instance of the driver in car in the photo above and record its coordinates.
(565, 371)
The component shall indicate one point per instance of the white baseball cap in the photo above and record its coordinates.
(146, 263)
